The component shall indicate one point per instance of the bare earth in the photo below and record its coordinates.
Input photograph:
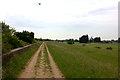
(29, 69)
(37, 66)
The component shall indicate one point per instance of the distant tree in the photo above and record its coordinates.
(118, 40)
(57, 40)
(84, 39)
(97, 39)
(41, 39)
(70, 41)
(76, 40)
(47, 40)
(25, 36)
(32, 35)
(91, 39)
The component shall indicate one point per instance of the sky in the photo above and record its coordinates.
(62, 19)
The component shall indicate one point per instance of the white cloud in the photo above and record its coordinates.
(54, 16)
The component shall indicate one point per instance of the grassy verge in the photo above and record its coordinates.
(77, 61)
(46, 56)
(13, 67)
(47, 59)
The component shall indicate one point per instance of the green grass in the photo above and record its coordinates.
(46, 55)
(16, 64)
(47, 59)
(77, 61)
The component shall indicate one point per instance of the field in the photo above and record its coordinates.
(78, 61)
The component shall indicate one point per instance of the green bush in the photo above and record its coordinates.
(14, 41)
(22, 43)
(9, 40)
(25, 36)
(70, 41)
(6, 46)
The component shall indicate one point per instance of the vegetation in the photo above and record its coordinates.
(97, 39)
(38, 39)
(16, 64)
(47, 59)
(46, 56)
(26, 36)
(91, 40)
(84, 39)
(119, 40)
(88, 60)
(11, 40)
(70, 41)
(77, 61)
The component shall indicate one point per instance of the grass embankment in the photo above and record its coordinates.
(78, 61)
(13, 67)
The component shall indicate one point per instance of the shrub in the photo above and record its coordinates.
(83, 45)
(98, 47)
(26, 36)
(9, 40)
(109, 48)
(6, 46)
(70, 41)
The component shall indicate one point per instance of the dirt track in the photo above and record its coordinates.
(57, 73)
(37, 66)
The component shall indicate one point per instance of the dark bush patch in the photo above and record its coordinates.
(109, 48)
(70, 41)
(83, 45)
(98, 47)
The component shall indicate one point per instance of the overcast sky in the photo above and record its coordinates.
(62, 19)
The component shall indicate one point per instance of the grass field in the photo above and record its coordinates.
(16, 64)
(78, 61)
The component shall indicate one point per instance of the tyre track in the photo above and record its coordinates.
(29, 69)
(44, 70)
(57, 73)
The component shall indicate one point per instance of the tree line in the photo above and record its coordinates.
(12, 39)
(86, 39)
(82, 39)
